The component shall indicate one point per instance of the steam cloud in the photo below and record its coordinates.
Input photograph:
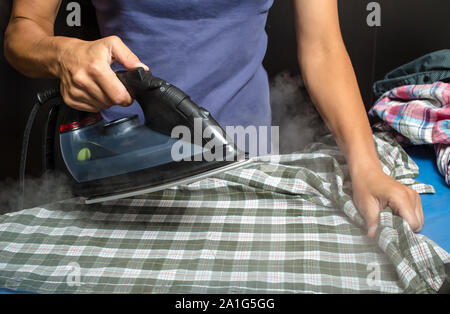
(38, 191)
(294, 113)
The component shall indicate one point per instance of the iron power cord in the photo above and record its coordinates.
(42, 99)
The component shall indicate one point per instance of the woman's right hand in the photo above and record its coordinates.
(87, 81)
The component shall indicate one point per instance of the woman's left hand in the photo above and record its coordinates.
(374, 190)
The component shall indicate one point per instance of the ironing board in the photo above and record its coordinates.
(436, 210)
(436, 207)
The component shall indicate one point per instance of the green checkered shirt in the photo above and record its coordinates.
(284, 224)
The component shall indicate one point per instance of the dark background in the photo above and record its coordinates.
(410, 28)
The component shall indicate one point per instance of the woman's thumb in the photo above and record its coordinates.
(122, 54)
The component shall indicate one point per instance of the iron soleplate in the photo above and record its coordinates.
(191, 179)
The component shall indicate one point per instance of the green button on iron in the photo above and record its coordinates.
(84, 155)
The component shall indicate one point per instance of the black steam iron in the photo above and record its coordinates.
(124, 158)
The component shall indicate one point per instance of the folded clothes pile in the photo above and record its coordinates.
(419, 113)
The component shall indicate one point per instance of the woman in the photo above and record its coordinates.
(213, 50)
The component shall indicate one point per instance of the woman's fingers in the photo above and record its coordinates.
(90, 87)
(107, 79)
(419, 210)
(112, 87)
(87, 80)
(371, 214)
(404, 204)
(80, 99)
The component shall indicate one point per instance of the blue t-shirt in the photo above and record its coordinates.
(211, 49)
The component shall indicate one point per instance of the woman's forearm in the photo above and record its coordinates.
(33, 50)
(330, 79)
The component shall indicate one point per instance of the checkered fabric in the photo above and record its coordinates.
(281, 225)
(421, 115)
